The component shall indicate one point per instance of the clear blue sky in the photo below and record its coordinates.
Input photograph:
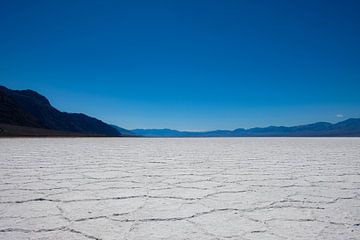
(191, 65)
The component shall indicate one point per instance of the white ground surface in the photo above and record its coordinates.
(250, 188)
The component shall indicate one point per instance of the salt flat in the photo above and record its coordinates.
(220, 188)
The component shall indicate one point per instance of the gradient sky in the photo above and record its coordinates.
(190, 65)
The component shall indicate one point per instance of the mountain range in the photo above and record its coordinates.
(27, 113)
(348, 128)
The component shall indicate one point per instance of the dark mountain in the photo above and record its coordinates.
(21, 131)
(347, 128)
(29, 109)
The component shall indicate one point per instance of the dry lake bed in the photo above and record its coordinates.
(205, 188)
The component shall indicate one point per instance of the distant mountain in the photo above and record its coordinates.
(124, 132)
(31, 111)
(175, 133)
(347, 128)
(158, 132)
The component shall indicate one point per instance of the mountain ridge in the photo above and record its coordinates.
(346, 128)
(29, 109)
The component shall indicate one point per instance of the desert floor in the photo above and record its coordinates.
(205, 188)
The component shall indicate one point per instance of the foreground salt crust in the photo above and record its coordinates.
(234, 188)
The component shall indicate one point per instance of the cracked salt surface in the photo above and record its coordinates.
(219, 188)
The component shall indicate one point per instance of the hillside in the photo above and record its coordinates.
(27, 108)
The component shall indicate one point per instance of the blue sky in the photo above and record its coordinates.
(192, 65)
